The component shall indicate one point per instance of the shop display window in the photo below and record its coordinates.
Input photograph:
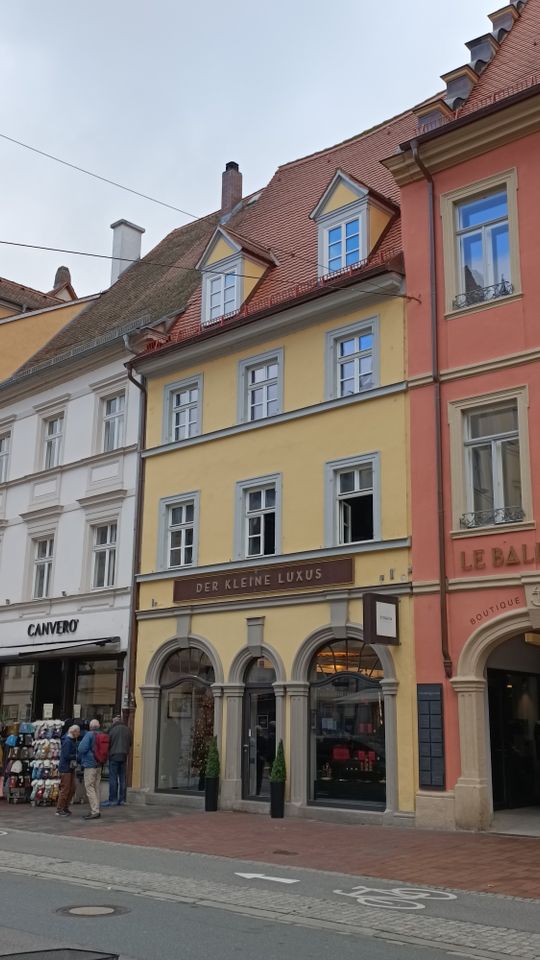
(16, 692)
(347, 740)
(186, 721)
(96, 689)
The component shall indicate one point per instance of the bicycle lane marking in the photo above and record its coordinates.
(395, 898)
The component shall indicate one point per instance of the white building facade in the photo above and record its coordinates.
(68, 444)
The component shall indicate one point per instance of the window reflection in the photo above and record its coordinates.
(186, 720)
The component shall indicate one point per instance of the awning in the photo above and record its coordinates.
(30, 651)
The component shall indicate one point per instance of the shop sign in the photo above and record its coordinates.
(500, 607)
(381, 618)
(499, 557)
(52, 628)
(267, 579)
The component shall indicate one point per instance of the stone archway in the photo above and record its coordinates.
(299, 697)
(473, 790)
(233, 690)
(150, 692)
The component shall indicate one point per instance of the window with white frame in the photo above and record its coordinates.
(342, 238)
(492, 465)
(352, 359)
(104, 543)
(261, 386)
(53, 428)
(180, 533)
(220, 294)
(5, 443)
(483, 242)
(113, 421)
(258, 513)
(184, 406)
(352, 500)
(43, 562)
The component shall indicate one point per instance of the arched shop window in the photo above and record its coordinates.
(259, 741)
(347, 745)
(186, 720)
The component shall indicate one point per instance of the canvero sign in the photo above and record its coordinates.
(268, 579)
(52, 628)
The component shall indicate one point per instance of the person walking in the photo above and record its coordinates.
(66, 767)
(120, 741)
(91, 770)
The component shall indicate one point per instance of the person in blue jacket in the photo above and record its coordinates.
(91, 770)
(66, 767)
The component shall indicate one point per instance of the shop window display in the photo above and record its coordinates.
(16, 692)
(347, 744)
(186, 721)
(259, 742)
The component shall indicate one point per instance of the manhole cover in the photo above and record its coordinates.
(92, 910)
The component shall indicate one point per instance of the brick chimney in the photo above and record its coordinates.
(231, 187)
(126, 246)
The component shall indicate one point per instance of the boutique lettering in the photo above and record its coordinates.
(494, 608)
(52, 627)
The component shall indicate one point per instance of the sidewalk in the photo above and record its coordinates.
(480, 862)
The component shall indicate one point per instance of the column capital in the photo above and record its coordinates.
(279, 689)
(468, 684)
(233, 689)
(390, 687)
(217, 689)
(150, 691)
(297, 688)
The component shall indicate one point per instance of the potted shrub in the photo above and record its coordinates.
(278, 777)
(211, 780)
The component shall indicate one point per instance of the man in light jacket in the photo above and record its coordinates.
(92, 770)
(120, 740)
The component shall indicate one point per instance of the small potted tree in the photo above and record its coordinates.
(211, 780)
(278, 777)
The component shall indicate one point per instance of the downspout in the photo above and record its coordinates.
(131, 704)
(435, 372)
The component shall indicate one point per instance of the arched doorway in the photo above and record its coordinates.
(259, 729)
(347, 751)
(513, 678)
(186, 720)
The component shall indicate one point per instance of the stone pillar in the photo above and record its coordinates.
(473, 789)
(390, 689)
(298, 775)
(150, 730)
(279, 690)
(231, 786)
(217, 691)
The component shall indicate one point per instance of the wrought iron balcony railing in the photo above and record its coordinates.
(482, 294)
(485, 518)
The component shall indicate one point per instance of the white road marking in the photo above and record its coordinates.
(3, 833)
(398, 898)
(262, 876)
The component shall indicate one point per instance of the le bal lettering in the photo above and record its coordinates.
(499, 557)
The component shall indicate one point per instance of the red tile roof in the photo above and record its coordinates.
(26, 298)
(517, 59)
(279, 220)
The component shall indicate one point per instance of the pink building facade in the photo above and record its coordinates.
(470, 188)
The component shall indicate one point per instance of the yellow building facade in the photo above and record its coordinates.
(261, 535)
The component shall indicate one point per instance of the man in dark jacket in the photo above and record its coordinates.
(120, 740)
(66, 767)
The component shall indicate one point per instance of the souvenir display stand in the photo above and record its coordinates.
(45, 777)
(18, 754)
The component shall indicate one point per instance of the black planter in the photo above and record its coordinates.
(277, 799)
(211, 791)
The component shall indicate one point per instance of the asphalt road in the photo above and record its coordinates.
(157, 930)
(186, 905)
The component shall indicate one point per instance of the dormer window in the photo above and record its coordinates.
(222, 295)
(350, 220)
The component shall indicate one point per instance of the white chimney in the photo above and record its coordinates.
(126, 246)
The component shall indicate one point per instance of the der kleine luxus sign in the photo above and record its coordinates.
(275, 578)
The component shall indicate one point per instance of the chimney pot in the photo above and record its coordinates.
(231, 187)
(126, 246)
(61, 277)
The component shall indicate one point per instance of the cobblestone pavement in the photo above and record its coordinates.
(481, 862)
(349, 917)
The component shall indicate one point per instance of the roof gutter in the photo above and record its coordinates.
(435, 372)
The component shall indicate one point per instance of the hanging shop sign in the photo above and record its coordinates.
(268, 579)
(381, 618)
(52, 628)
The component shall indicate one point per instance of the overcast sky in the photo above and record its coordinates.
(159, 95)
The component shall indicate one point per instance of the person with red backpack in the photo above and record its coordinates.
(93, 752)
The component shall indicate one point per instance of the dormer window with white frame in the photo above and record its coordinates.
(220, 294)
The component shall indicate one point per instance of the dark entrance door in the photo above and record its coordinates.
(259, 745)
(49, 687)
(514, 721)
